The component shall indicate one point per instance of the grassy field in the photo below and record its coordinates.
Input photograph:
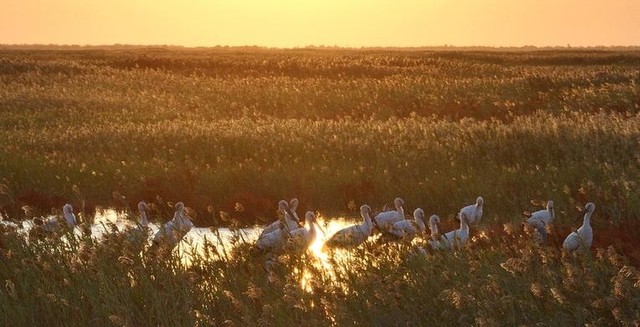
(500, 280)
(237, 129)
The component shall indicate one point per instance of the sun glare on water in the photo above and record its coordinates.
(326, 228)
(193, 243)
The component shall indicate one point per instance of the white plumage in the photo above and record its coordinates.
(293, 207)
(139, 234)
(473, 212)
(386, 219)
(303, 237)
(583, 237)
(51, 224)
(290, 217)
(174, 230)
(540, 219)
(435, 234)
(142, 208)
(355, 235)
(408, 229)
(69, 217)
(455, 238)
(274, 242)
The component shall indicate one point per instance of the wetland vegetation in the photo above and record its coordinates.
(237, 129)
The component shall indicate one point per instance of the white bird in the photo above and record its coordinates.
(473, 212)
(293, 206)
(174, 230)
(386, 219)
(51, 224)
(540, 219)
(273, 243)
(355, 235)
(290, 217)
(456, 238)
(435, 234)
(583, 237)
(407, 229)
(304, 236)
(142, 207)
(138, 235)
(69, 217)
(183, 221)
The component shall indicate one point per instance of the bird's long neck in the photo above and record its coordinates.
(289, 218)
(367, 221)
(70, 218)
(552, 213)
(292, 211)
(464, 226)
(420, 224)
(586, 221)
(433, 226)
(398, 204)
(312, 227)
(178, 219)
(309, 223)
(143, 219)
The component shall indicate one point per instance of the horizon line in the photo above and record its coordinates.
(311, 46)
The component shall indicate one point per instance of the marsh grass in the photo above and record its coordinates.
(506, 279)
(239, 129)
(250, 126)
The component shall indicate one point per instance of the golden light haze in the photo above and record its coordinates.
(349, 23)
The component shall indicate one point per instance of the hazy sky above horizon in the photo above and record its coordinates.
(298, 23)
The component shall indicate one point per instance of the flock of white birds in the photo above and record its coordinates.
(168, 235)
(393, 223)
(275, 237)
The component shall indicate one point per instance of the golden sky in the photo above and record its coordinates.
(298, 23)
